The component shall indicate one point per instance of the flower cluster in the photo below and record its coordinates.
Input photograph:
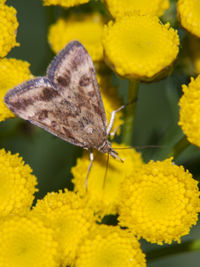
(101, 221)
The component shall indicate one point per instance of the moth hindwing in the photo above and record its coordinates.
(66, 102)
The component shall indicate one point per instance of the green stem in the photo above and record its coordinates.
(130, 112)
(180, 147)
(188, 246)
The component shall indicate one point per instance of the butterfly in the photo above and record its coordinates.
(66, 102)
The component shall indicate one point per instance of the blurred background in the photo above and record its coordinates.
(155, 120)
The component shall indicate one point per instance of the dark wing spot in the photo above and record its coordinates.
(84, 80)
(68, 133)
(97, 109)
(43, 114)
(21, 103)
(64, 79)
(48, 94)
(53, 124)
(91, 93)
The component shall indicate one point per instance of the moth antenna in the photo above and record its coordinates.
(89, 168)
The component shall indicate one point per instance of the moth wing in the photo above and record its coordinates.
(40, 103)
(73, 73)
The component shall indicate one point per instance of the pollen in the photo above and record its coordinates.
(119, 8)
(140, 47)
(103, 185)
(64, 3)
(17, 185)
(159, 202)
(13, 72)
(189, 15)
(87, 29)
(70, 216)
(8, 27)
(190, 111)
(110, 246)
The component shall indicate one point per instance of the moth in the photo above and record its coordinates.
(66, 102)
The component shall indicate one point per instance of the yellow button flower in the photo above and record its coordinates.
(85, 28)
(27, 242)
(110, 246)
(70, 217)
(119, 8)
(8, 28)
(13, 72)
(102, 191)
(17, 185)
(189, 15)
(159, 202)
(64, 3)
(140, 47)
(190, 111)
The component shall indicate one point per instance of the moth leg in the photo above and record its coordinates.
(113, 118)
(89, 168)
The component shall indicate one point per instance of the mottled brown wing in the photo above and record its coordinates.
(73, 73)
(74, 111)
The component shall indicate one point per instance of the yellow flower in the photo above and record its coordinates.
(190, 111)
(13, 72)
(85, 28)
(119, 8)
(159, 202)
(27, 242)
(64, 3)
(111, 102)
(140, 47)
(17, 185)
(71, 218)
(110, 246)
(189, 15)
(8, 28)
(102, 191)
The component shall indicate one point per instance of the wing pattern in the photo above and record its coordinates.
(66, 103)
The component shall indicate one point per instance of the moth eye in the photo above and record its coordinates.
(84, 80)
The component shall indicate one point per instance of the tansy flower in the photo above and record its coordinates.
(17, 185)
(140, 47)
(190, 111)
(64, 3)
(119, 8)
(189, 15)
(85, 28)
(111, 102)
(13, 72)
(110, 246)
(103, 186)
(27, 242)
(159, 202)
(8, 28)
(70, 217)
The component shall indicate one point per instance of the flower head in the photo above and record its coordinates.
(27, 242)
(159, 202)
(17, 185)
(190, 111)
(119, 8)
(189, 15)
(71, 218)
(103, 186)
(110, 246)
(13, 72)
(8, 28)
(85, 28)
(140, 47)
(64, 3)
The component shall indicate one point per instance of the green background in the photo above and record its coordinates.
(51, 158)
